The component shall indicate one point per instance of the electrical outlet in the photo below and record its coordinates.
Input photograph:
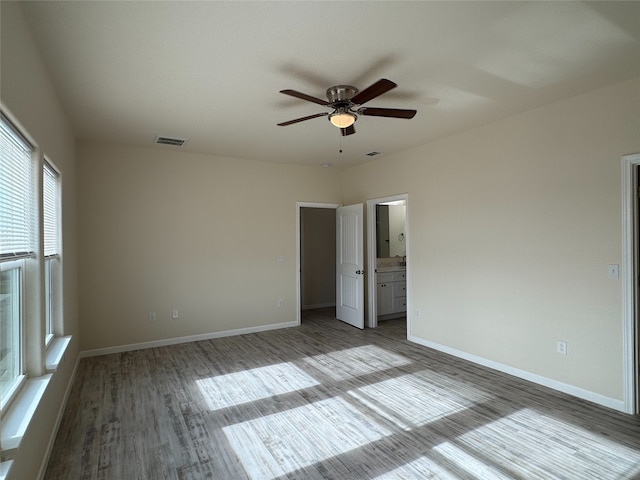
(152, 316)
(561, 347)
(280, 303)
(417, 313)
(174, 314)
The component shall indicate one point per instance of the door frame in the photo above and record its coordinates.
(372, 315)
(300, 205)
(629, 273)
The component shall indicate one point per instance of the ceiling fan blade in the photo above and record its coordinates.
(304, 96)
(388, 112)
(350, 130)
(381, 86)
(284, 124)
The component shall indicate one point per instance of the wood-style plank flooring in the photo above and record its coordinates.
(327, 401)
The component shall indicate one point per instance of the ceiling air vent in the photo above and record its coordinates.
(177, 142)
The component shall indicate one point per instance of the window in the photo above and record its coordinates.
(32, 345)
(16, 198)
(17, 241)
(10, 327)
(51, 221)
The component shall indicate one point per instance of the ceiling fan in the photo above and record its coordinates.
(346, 102)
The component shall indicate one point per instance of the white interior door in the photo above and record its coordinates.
(349, 265)
(635, 178)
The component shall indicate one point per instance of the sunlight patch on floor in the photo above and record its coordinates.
(421, 469)
(251, 385)
(277, 444)
(474, 467)
(355, 362)
(530, 441)
(416, 399)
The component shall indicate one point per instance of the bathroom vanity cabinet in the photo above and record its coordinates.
(391, 293)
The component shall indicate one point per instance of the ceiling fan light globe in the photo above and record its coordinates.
(342, 120)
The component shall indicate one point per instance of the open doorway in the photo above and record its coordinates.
(316, 256)
(630, 282)
(387, 259)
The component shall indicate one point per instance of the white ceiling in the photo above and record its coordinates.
(211, 71)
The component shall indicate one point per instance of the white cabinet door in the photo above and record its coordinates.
(385, 300)
(399, 289)
(400, 305)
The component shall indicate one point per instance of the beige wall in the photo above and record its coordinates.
(161, 230)
(512, 227)
(28, 94)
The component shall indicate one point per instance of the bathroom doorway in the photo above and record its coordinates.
(388, 251)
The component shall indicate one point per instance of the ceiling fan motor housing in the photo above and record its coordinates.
(341, 93)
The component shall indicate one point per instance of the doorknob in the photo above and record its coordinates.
(359, 272)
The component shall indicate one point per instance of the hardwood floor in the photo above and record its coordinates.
(327, 401)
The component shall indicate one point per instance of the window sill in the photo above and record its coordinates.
(17, 419)
(55, 352)
(20, 412)
(4, 469)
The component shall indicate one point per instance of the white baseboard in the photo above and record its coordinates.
(531, 377)
(177, 340)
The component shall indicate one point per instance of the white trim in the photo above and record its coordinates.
(8, 396)
(178, 340)
(6, 265)
(55, 352)
(300, 205)
(4, 469)
(629, 284)
(372, 318)
(19, 415)
(56, 426)
(531, 377)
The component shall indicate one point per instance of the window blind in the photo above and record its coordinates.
(50, 195)
(17, 228)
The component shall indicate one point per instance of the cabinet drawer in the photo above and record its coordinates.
(384, 277)
(399, 276)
